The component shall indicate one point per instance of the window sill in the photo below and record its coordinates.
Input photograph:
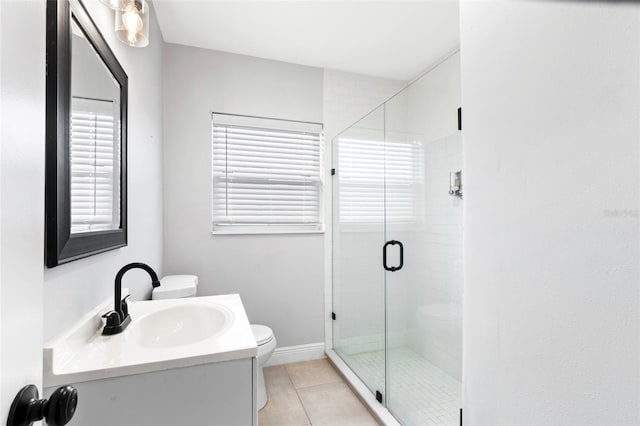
(266, 231)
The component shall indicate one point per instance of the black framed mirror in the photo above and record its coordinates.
(86, 138)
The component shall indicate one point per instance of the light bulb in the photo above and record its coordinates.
(132, 23)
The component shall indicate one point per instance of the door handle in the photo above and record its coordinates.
(384, 255)
(27, 407)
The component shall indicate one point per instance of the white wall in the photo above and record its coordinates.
(22, 103)
(279, 277)
(551, 101)
(72, 289)
(348, 97)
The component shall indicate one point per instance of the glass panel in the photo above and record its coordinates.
(424, 297)
(358, 236)
(95, 139)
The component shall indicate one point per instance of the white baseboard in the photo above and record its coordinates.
(289, 354)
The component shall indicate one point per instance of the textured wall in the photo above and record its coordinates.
(551, 100)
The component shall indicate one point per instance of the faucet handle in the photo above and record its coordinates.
(125, 307)
(114, 323)
(113, 319)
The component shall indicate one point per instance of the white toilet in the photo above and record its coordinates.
(266, 345)
(176, 287)
(179, 286)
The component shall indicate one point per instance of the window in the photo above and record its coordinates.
(380, 180)
(95, 203)
(266, 175)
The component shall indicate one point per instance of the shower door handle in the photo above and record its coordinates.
(384, 255)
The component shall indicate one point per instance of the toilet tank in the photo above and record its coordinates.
(176, 287)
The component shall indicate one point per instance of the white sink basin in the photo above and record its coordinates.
(181, 325)
(162, 335)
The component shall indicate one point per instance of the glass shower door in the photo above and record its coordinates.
(358, 235)
(423, 296)
(397, 249)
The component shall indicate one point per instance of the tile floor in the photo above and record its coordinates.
(422, 394)
(311, 393)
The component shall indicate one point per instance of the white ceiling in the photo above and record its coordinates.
(393, 39)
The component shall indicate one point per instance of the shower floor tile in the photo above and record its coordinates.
(421, 393)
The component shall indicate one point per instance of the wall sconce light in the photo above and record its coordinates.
(132, 22)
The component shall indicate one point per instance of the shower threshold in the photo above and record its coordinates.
(379, 411)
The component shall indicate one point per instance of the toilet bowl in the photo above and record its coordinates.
(181, 286)
(266, 345)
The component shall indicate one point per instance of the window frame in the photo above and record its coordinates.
(90, 107)
(266, 228)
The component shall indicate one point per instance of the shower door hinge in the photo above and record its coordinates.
(333, 316)
(459, 118)
(379, 396)
(333, 172)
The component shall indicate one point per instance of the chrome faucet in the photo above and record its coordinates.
(119, 319)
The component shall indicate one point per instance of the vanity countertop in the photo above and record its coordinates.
(82, 353)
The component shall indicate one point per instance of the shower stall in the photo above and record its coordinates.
(397, 250)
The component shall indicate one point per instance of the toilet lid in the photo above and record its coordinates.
(262, 333)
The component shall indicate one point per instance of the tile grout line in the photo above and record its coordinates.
(338, 381)
(306, 413)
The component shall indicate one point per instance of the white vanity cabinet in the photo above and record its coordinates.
(180, 362)
(216, 394)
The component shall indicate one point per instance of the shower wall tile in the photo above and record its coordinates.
(435, 300)
(439, 338)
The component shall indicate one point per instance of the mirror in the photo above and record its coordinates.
(86, 138)
(94, 139)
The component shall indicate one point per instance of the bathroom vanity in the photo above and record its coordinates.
(183, 358)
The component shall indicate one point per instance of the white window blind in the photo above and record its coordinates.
(266, 175)
(94, 176)
(379, 180)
